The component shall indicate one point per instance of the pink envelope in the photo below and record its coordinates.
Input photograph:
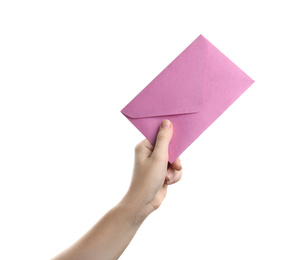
(192, 92)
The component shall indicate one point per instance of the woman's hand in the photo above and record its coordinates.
(152, 172)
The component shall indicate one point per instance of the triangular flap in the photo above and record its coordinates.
(178, 89)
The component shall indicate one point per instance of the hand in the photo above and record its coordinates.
(152, 172)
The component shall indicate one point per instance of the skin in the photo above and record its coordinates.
(152, 174)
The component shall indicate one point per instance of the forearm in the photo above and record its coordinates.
(110, 236)
(152, 174)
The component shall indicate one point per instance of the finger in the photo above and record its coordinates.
(163, 139)
(176, 165)
(144, 149)
(170, 173)
(146, 144)
(177, 176)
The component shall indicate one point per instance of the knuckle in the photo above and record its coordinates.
(179, 175)
(138, 148)
(161, 137)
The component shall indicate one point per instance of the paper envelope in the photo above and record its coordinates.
(192, 92)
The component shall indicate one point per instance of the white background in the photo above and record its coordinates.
(67, 68)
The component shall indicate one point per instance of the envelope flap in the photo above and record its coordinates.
(178, 89)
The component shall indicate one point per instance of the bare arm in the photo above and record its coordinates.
(109, 237)
(152, 174)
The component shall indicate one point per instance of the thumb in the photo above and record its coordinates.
(163, 139)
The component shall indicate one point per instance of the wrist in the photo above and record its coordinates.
(137, 209)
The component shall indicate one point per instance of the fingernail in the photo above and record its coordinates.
(166, 124)
(170, 176)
